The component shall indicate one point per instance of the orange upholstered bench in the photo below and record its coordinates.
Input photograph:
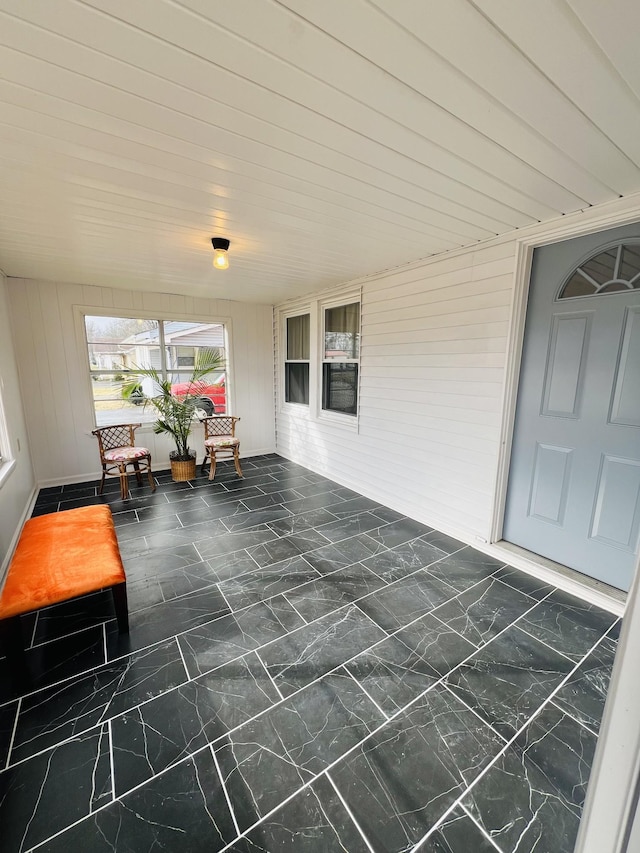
(60, 556)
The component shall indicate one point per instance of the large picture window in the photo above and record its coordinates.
(341, 358)
(296, 366)
(117, 345)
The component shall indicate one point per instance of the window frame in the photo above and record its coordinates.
(7, 457)
(285, 338)
(344, 418)
(161, 317)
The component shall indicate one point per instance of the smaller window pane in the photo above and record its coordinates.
(602, 267)
(577, 286)
(298, 338)
(178, 357)
(179, 334)
(110, 408)
(630, 264)
(296, 382)
(340, 387)
(342, 331)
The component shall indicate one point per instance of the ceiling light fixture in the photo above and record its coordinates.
(220, 249)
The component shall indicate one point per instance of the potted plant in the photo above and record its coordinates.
(175, 410)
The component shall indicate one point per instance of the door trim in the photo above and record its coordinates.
(590, 222)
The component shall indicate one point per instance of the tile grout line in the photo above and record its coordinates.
(186, 671)
(271, 679)
(112, 762)
(366, 692)
(480, 828)
(557, 651)
(224, 788)
(456, 632)
(291, 604)
(71, 634)
(511, 741)
(13, 734)
(370, 618)
(349, 812)
(475, 713)
(580, 723)
(35, 629)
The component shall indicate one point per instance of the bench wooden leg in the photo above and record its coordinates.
(122, 609)
(12, 642)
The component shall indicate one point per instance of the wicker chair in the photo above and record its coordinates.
(220, 441)
(118, 451)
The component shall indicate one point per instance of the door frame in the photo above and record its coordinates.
(611, 215)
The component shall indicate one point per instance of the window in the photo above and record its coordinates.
(341, 357)
(116, 345)
(616, 269)
(296, 366)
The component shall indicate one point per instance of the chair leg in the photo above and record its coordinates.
(119, 592)
(136, 468)
(104, 474)
(124, 482)
(12, 644)
(212, 469)
(236, 461)
(152, 482)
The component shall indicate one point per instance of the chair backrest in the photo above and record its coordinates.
(219, 425)
(118, 435)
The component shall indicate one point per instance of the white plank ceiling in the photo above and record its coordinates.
(326, 140)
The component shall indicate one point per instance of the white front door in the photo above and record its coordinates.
(574, 482)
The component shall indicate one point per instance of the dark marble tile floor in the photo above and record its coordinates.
(306, 671)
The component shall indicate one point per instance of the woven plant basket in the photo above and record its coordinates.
(181, 471)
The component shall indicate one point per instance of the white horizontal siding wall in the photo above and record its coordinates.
(53, 370)
(434, 343)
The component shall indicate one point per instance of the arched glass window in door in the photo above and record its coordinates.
(610, 270)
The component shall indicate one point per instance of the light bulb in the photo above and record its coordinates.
(220, 259)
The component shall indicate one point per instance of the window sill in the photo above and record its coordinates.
(5, 470)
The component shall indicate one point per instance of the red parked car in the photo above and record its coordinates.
(212, 398)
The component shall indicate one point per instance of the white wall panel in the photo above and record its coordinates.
(432, 374)
(52, 359)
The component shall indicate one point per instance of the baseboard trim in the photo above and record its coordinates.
(4, 568)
